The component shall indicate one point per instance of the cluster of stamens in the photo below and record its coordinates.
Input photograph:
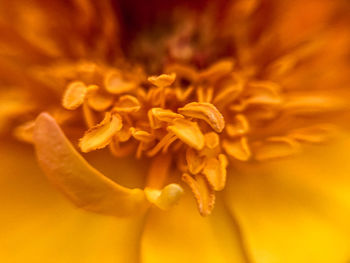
(194, 122)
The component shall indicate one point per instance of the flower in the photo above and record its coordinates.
(218, 102)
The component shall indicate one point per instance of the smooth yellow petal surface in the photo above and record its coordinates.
(182, 235)
(83, 184)
(37, 224)
(296, 210)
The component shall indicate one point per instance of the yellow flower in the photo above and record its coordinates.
(188, 128)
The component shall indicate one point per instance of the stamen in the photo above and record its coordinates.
(195, 162)
(100, 135)
(237, 148)
(127, 104)
(163, 80)
(116, 84)
(74, 95)
(204, 111)
(188, 132)
(275, 147)
(202, 191)
(215, 171)
(165, 198)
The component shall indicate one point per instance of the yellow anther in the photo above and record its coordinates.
(157, 115)
(116, 84)
(215, 171)
(195, 162)
(24, 132)
(238, 127)
(163, 80)
(142, 136)
(204, 111)
(165, 198)
(74, 95)
(237, 149)
(212, 140)
(217, 70)
(127, 104)
(202, 191)
(100, 135)
(188, 132)
(98, 100)
(313, 134)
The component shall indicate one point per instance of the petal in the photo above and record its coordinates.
(182, 235)
(296, 210)
(81, 183)
(38, 225)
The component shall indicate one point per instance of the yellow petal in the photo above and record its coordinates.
(303, 201)
(38, 224)
(74, 95)
(188, 132)
(80, 182)
(182, 235)
(100, 135)
(204, 111)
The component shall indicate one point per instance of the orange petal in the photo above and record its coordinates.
(74, 95)
(188, 132)
(203, 192)
(84, 185)
(204, 111)
(100, 135)
(237, 149)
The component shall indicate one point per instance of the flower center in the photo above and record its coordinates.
(196, 123)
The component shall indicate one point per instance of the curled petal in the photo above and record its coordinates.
(204, 111)
(80, 182)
